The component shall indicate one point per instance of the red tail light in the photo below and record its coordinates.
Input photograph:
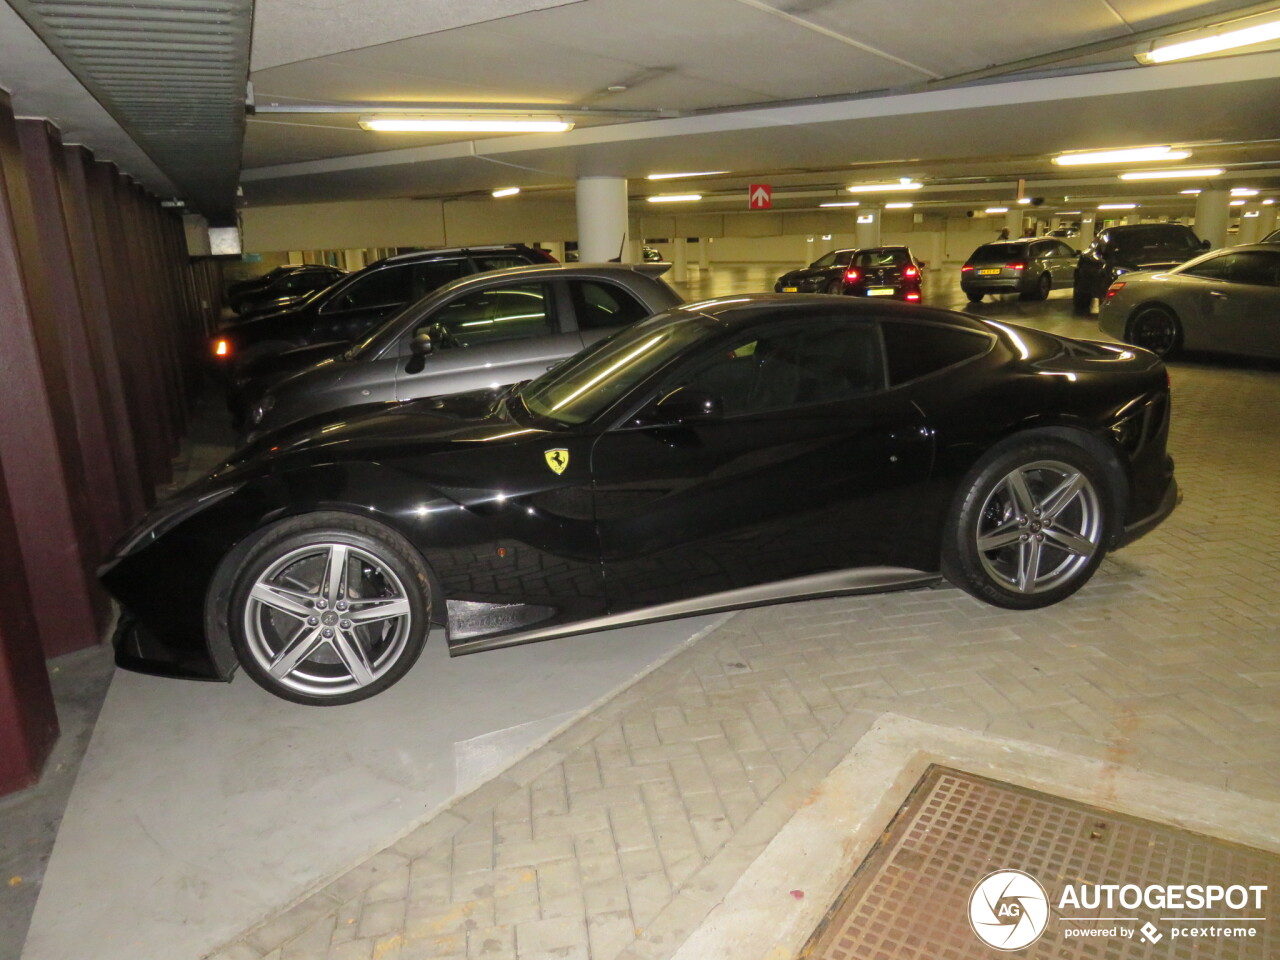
(1015, 266)
(851, 275)
(1114, 289)
(222, 348)
(913, 297)
(913, 272)
(967, 268)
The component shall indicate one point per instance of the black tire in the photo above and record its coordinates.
(1081, 298)
(999, 549)
(1044, 283)
(1155, 328)
(304, 631)
(974, 296)
(836, 287)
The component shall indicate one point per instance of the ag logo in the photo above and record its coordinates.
(1008, 910)
(557, 459)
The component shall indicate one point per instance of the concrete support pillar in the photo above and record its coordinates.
(603, 230)
(1248, 233)
(1212, 216)
(679, 260)
(868, 230)
(1087, 227)
(353, 260)
(1013, 222)
(810, 250)
(1267, 220)
(704, 253)
(1133, 218)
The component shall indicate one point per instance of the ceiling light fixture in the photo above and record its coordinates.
(1117, 206)
(506, 192)
(1129, 155)
(678, 176)
(898, 206)
(1236, 203)
(996, 210)
(1213, 43)
(1173, 174)
(676, 198)
(1243, 192)
(1195, 191)
(1267, 203)
(843, 203)
(904, 184)
(446, 124)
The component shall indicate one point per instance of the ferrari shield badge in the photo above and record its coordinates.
(557, 459)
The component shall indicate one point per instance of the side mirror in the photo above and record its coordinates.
(686, 404)
(422, 345)
(1205, 245)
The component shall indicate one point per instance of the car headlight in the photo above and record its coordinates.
(262, 408)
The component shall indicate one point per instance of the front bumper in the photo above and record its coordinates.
(1171, 498)
(141, 651)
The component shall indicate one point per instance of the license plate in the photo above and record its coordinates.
(989, 273)
(880, 291)
(790, 289)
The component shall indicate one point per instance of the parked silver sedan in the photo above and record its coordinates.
(483, 331)
(1227, 301)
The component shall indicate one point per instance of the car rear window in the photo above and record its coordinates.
(1152, 244)
(915, 350)
(998, 252)
(881, 258)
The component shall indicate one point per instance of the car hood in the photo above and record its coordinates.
(362, 432)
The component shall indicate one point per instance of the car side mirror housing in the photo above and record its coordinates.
(686, 405)
(1205, 245)
(422, 345)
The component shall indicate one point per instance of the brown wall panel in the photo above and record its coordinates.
(43, 461)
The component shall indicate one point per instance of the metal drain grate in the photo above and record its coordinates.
(910, 899)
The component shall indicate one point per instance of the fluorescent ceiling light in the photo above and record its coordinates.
(1173, 174)
(996, 210)
(1024, 200)
(1116, 206)
(1067, 213)
(845, 203)
(676, 198)
(1131, 155)
(1267, 203)
(446, 124)
(898, 206)
(677, 176)
(905, 184)
(1243, 192)
(1236, 203)
(506, 192)
(1195, 191)
(1214, 43)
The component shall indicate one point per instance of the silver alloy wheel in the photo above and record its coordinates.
(1039, 527)
(327, 619)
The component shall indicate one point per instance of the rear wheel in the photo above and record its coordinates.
(329, 609)
(1081, 297)
(1156, 329)
(835, 286)
(1029, 525)
(974, 296)
(1041, 290)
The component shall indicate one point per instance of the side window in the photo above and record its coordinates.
(515, 312)
(388, 287)
(1064, 251)
(843, 257)
(1216, 268)
(1040, 250)
(917, 350)
(435, 273)
(792, 365)
(599, 305)
(498, 261)
(1257, 267)
(826, 260)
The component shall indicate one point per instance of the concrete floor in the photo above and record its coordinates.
(211, 816)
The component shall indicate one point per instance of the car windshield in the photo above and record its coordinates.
(1142, 245)
(586, 384)
(998, 252)
(880, 258)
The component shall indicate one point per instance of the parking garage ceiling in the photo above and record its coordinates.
(809, 95)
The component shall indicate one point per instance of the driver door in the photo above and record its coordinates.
(808, 470)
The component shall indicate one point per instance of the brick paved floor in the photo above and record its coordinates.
(616, 838)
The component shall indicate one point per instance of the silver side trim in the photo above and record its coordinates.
(862, 580)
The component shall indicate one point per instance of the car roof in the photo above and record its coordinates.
(748, 309)
(436, 252)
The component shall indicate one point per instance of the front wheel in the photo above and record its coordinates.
(329, 609)
(1029, 526)
(1156, 329)
(974, 296)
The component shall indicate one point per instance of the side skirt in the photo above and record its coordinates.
(843, 582)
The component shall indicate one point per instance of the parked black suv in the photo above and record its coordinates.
(353, 306)
(1129, 247)
(281, 286)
